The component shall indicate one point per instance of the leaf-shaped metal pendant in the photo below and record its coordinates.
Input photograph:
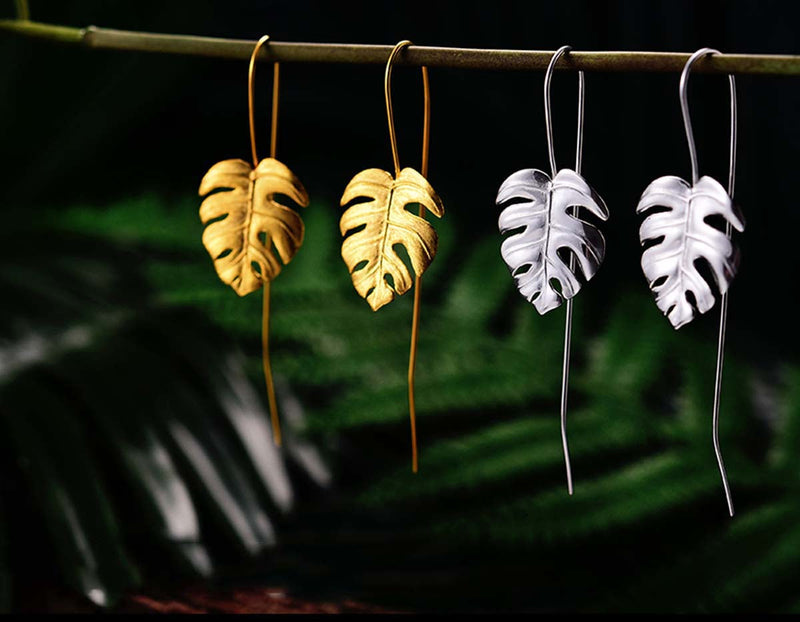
(376, 225)
(541, 216)
(681, 237)
(244, 220)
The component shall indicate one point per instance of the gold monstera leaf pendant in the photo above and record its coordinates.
(377, 222)
(248, 232)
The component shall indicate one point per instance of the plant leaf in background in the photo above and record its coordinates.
(137, 437)
(487, 527)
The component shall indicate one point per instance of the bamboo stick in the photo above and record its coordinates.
(463, 58)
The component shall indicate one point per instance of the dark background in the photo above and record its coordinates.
(83, 131)
(89, 126)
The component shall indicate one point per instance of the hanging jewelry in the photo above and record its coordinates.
(244, 220)
(681, 237)
(543, 216)
(379, 221)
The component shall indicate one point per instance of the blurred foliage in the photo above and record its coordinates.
(133, 436)
(143, 401)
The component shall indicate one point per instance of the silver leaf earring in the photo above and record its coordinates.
(548, 236)
(681, 237)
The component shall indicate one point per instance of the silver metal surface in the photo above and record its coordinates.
(568, 318)
(680, 237)
(538, 218)
(542, 217)
(723, 313)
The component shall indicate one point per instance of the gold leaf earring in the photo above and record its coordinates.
(244, 220)
(379, 221)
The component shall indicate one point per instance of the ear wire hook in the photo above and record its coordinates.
(387, 89)
(723, 318)
(578, 157)
(548, 115)
(251, 74)
(265, 311)
(412, 357)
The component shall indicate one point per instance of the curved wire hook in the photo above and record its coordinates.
(687, 121)
(251, 73)
(548, 115)
(723, 319)
(387, 89)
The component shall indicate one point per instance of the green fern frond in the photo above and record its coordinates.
(631, 494)
(490, 367)
(729, 569)
(497, 453)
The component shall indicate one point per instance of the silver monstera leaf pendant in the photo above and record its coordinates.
(680, 235)
(546, 235)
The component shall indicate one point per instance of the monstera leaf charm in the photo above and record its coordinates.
(543, 220)
(681, 238)
(379, 223)
(244, 220)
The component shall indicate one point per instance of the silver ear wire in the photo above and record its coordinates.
(548, 115)
(548, 121)
(679, 236)
(687, 121)
(542, 215)
(723, 315)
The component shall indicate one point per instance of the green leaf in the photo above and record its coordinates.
(672, 480)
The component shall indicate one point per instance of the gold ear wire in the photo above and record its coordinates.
(265, 308)
(372, 228)
(426, 125)
(249, 233)
(276, 80)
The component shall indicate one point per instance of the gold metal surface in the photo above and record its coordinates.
(244, 221)
(369, 253)
(412, 354)
(252, 221)
(374, 227)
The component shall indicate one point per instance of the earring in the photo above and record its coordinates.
(244, 219)
(548, 236)
(679, 238)
(379, 221)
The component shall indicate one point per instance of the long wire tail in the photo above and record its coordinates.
(412, 356)
(412, 363)
(568, 321)
(723, 318)
(273, 404)
(564, 392)
(723, 313)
